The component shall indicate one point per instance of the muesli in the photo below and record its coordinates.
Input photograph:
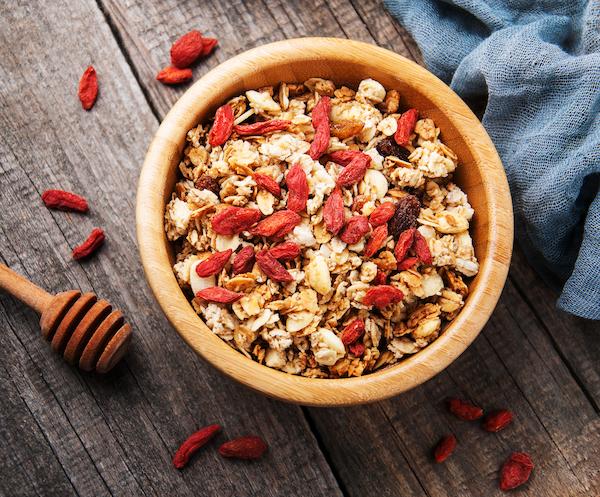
(317, 229)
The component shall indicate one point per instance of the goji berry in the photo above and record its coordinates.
(464, 410)
(444, 448)
(406, 126)
(272, 267)
(320, 142)
(208, 45)
(405, 216)
(382, 214)
(243, 260)
(92, 243)
(497, 420)
(354, 171)
(353, 331)
(193, 443)
(382, 295)
(219, 295)
(297, 185)
(380, 278)
(64, 201)
(422, 248)
(357, 349)
(405, 242)
(222, 127)
(515, 471)
(233, 220)
(213, 264)
(173, 76)
(88, 88)
(285, 251)
(356, 228)
(344, 157)
(376, 241)
(261, 127)
(248, 447)
(407, 263)
(333, 212)
(268, 183)
(277, 225)
(187, 49)
(320, 112)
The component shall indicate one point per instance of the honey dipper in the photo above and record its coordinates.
(81, 327)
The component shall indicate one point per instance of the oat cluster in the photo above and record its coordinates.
(319, 324)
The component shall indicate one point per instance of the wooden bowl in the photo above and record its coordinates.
(480, 174)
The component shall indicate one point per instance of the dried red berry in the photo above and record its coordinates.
(353, 331)
(405, 242)
(219, 295)
(233, 220)
(91, 244)
(464, 410)
(357, 349)
(172, 76)
(261, 127)
(444, 448)
(88, 88)
(376, 241)
(333, 212)
(497, 420)
(356, 228)
(354, 171)
(272, 267)
(243, 260)
(208, 45)
(213, 264)
(277, 225)
(187, 49)
(380, 278)
(285, 251)
(320, 112)
(249, 447)
(382, 295)
(222, 127)
(268, 183)
(64, 201)
(407, 263)
(422, 248)
(320, 121)
(297, 185)
(515, 471)
(344, 157)
(193, 443)
(382, 214)
(406, 126)
(405, 216)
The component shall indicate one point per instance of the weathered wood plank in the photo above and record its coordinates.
(112, 435)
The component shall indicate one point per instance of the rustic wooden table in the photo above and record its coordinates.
(67, 433)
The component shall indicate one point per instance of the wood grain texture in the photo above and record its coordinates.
(374, 450)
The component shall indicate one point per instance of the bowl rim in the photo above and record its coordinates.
(374, 386)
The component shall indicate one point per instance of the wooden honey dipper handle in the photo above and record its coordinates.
(85, 330)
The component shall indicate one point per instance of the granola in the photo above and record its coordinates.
(381, 251)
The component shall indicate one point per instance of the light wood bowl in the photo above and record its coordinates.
(480, 174)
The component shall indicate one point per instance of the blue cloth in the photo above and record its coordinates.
(538, 62)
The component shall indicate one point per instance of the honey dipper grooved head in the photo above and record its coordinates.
(86, 331)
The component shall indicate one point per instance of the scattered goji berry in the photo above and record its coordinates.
(64, 201)
(88, 88)
(320, 112)
(497, 420)
(208, 45)
(353, 331)
(213, 264)
(405, 216)
(277, 225)
(248, 447)
(422, 248)
(261, 127)
(233, 220)
(380, 278)
(354, 171)
(464, 410)
(222, 127)
(187, 49)
(272, 267)
(356, 228)
(285, 251)
(406, 126)
(268, 183)
(357, 349)
(382, 214)
(376, 241)
(243, 260)
(206, 182)
(91, 244)
(405, 242)
(193, 443)
(320, 142)
(382, 295)
(333, 212)
(219, 295)
(407, 263)
(515, 471)
(297, 185)
(444, 448)
(344, 157)
(172, 76)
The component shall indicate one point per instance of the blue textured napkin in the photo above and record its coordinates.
(539, 64)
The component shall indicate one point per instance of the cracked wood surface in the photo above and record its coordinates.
(68, 433)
